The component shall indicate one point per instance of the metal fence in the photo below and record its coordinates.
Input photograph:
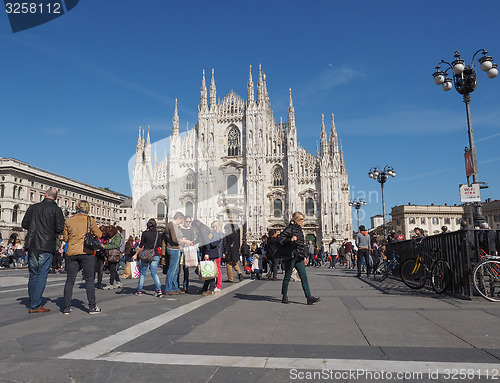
(459, 248)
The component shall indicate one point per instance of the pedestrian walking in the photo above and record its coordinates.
(150, 240)
(293, 238)
(173, 240)
(44, 222)
(80, 257)
(363, 244)
(113, 255)
(334, 248)
(230, 252)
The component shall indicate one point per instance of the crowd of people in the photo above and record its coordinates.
(78, 244)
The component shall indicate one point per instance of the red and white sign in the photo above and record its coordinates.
(469, 163)
(401, 237)
(470, 193)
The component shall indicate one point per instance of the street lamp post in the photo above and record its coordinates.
(465, 81)
(357, 205)
(381, 176)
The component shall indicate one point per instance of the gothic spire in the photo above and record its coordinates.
(250, 88)
(291, 112)
(175, 121)
(324, 136)
(260, 88)
(139, 142)
(155, 160)
(148, 140)
(203, 94)
(333, 137)
(213, 93)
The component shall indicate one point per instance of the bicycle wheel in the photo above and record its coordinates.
(440, 276)
(383, 271)
(413, 274)
(487, 280)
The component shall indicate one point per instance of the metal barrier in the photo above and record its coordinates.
(459, 248)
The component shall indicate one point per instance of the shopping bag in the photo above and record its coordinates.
(190, 256)
(207, 270)
(131, 270)
(127, 272)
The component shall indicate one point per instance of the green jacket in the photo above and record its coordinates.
(114, 243)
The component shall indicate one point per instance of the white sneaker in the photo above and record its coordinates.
(117, 285)
(108, 287)
(216, 290)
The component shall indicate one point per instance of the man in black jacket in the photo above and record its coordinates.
(44, 222)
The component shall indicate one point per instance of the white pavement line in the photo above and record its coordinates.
(25, 288)
(393, 366)
(106, 345)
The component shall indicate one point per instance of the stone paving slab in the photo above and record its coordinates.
(357, 320)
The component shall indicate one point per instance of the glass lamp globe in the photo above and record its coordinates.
(447, 86)
(493, 72)
(458, 68)
(439, 79)
(486, 65)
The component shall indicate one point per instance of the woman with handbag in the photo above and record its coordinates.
(293, 239)
(209, 241)
(113, 255)
(149, 255)
(78, 256)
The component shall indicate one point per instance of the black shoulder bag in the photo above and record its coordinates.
(91, 241)
(147, 255)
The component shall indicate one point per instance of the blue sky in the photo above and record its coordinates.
(75, 90)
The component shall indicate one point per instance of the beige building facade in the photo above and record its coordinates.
(22, 185)
(431, 218)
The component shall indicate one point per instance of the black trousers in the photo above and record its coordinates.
(99, 269)
(73, 264)
(366, 254)
(113, 274)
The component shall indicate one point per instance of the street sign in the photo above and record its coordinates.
(401, 237)
(469, 163)
(470, 193)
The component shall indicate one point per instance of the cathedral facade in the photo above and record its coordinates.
(240, 167)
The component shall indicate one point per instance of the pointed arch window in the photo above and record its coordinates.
(190, 181)
(233, 142)
(309, 206)
(278, 176)
(232, 184)
(2, 191)
(278, 208)
(161, 210)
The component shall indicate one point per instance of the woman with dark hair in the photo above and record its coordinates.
(78, 256)
(129, 249)
(113, 255)
(209, 241)
(150, 240)
(293, 238)
(100, 257)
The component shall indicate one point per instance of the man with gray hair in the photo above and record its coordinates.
(44, 222)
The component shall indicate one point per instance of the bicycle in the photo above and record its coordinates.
(415, 272)
(487, 276)
(386, 268)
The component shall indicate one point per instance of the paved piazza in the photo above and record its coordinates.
(361, 331)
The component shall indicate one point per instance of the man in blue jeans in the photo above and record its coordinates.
(44, 222)
(173, 239)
